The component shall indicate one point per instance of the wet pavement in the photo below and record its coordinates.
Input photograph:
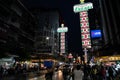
(58, 75)
(32, 76)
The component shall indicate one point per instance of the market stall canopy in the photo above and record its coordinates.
(108, 58)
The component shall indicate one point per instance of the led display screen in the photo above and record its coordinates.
(96, 34)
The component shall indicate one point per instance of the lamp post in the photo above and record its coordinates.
(47, 38)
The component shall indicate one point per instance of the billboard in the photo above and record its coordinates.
(82, 7)
(96, 33)
(48, 64)
(62, 43)
(62, 29)
(85, 30)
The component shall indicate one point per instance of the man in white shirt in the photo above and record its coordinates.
(78, 73)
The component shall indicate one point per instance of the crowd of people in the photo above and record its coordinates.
(100, 72)
(95, 72)
(71, 72)
(17, 68)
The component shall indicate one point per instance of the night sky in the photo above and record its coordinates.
(70, 18)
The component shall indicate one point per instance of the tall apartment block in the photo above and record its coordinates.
(46, 36)
(17, 26)
(109, 23)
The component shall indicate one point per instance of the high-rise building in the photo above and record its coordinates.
(109, 22)
(46, 36)
(16, 28)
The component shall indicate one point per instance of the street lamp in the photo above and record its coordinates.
(47, 38)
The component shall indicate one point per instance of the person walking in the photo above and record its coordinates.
(65, 72)
(49, 74)
(78, 73)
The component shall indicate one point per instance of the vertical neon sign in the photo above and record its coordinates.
(84, 24)
(62, 31)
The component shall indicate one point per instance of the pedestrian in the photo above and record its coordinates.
(49, 75)
(107, 73)
(1, 71)
(110, 71)
(78, 73)
(65, 72)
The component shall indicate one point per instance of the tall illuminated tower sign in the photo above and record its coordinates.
(62, 31)
(84, 24)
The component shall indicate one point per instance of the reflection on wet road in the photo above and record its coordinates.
(57, 76)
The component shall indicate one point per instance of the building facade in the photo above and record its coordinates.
(109, 23)
(46, 36)
(17, 26)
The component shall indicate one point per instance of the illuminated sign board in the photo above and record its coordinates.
(84, 23)
(62, 29)
(62, 43)
(82, 7)
(96, 34)
(85, 30)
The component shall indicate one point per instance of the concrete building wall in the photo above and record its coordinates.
(13, 37)
(46, 32)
